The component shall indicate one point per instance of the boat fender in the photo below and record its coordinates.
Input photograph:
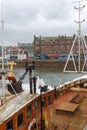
(44, 117)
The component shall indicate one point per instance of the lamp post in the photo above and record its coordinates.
(41, 104)
(31, 67)
(30, 78)
(34, 82)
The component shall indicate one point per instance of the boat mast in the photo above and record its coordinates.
(2, 32)
(79, 22)
(2, 71)
(81, 41)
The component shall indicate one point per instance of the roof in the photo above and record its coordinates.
(15, 104)
(18, 102)
(47, 39)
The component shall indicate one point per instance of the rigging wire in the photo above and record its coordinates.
(61, 78)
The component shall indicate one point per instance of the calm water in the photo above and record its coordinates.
(51, 76)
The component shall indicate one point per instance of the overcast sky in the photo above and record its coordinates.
(26, 18)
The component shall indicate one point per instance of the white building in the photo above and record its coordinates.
(15, 53)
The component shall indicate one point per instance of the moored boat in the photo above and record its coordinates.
(48, 108)
(42, 107)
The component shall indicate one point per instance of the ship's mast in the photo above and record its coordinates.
(79, 31)
(81, 44)
(2, 82)
(2, 32)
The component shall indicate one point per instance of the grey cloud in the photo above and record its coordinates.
(24, 18)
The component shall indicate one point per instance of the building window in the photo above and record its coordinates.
(20, 119)
(13, 52)
(49, 100)
(29, 111)
(9, 125)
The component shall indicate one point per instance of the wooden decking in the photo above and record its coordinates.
(79, 89)
(70, 106)
(77, 98)
(67, 107)
(69, 110)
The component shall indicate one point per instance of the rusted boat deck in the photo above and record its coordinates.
(70, 111)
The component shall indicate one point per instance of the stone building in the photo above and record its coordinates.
(55, 45)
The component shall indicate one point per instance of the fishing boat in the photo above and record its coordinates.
(42, 107)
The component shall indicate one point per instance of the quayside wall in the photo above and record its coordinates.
(45, 63)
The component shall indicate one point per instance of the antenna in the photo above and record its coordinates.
(79, 38)
(79, 22)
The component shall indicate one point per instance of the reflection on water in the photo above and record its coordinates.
(51, 76)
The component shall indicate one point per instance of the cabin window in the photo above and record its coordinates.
(43, 102)
(36, 104)
(49, 100)
(29, 111)
(20, 119)
(9, 125)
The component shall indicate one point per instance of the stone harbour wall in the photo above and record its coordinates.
(50, 63)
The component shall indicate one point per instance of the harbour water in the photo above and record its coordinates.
(51, 76)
